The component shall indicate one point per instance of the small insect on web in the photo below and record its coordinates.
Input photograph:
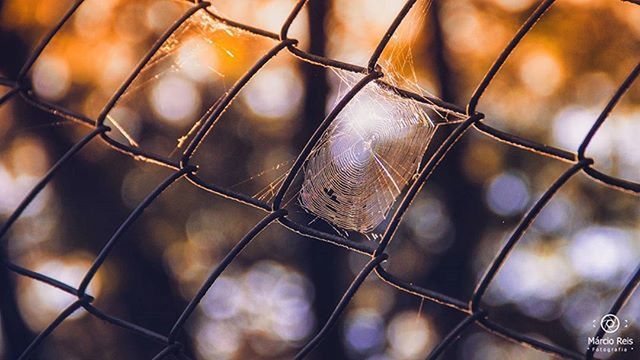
(365, 159)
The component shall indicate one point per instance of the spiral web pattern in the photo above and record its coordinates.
(366, 158)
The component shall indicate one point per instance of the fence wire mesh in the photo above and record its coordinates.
(472, 309)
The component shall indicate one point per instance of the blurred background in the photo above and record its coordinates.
(561, 277)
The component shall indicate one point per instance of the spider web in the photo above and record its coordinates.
(374, 147)
(365, 159)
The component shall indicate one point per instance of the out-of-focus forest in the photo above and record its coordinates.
(562, 277)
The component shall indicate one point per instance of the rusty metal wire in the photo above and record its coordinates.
(472, 308)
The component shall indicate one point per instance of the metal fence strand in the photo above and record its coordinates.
(46, 178)
(227, 193)
(244, 27)
(437, 103)
(612, 182)
(428, 168)
(620, 301)
(135, 214)
(454, 335)
(9, 94)
(364, 247)
(54, 109)
(139, 154)
(626, 84)
(39, 277)
(168, 350)
(336, 64)
(291, 17)
(224, 103)
(516, 337)
(7, 82)
(308, 57)
(504, 54)
(143, 62)
(525, 144)
(427, 294)
(346, 298)
(124, 324)
(47, 39)
(49, 329)
(235, 251)
(304, 154)
(519, 231)
(373, 61)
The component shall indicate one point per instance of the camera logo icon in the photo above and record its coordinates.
(610, 323)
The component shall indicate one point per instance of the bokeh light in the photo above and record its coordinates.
(507, 194)
(41, 302)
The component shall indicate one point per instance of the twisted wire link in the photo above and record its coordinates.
(472, 308)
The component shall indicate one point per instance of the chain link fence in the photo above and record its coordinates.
(275, 212)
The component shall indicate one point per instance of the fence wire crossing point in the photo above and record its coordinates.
(472, 309)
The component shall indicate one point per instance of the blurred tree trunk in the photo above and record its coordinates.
(15, 332)
(324, 263)
(16, 335)
(453, 275)
(91, 212)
